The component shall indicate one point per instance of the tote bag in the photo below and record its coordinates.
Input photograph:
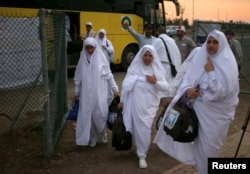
(181, 122)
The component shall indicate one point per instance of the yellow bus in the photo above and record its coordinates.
(107, 14)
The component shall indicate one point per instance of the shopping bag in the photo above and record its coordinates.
(73, 112)
(181, 122)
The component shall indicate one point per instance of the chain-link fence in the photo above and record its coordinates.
(33, 79)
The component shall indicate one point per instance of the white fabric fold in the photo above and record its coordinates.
(215, 108)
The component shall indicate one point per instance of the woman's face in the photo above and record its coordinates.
(101, 35)
(90, 49)
(212, 45)
(147, 58)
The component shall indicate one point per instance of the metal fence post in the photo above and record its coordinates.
(47, 128)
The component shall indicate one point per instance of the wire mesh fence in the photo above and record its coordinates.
(33, 79)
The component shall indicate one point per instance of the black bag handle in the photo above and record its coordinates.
(169, 58)
(172, 66)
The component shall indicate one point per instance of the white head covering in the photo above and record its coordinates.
(90, 42)
(102, 41)
(97, 60)
(137, 66)
(224, 63)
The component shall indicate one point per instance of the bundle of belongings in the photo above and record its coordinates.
(121, 139)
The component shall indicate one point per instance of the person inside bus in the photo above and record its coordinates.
(106, 45)
(90, 32)
(142, 89)
(145, 39)
(91, 77)
(215, 72)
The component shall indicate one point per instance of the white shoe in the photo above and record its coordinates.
(142, 163)
(92, 143)
(105, 138)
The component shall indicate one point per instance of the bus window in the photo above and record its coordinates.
(160, 11)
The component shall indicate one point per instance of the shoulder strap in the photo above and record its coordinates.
(107, 43)
(169, 58)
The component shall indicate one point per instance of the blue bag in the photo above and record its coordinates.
(72, 115)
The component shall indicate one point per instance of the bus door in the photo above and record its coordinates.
(74, 46)
(154, 14)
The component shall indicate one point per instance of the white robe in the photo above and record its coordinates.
(108, 52)
(91, 82)
(141, 98)
(182, 71)
(173, 52)
(215, 108)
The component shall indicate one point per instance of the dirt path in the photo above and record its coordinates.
(21, 151)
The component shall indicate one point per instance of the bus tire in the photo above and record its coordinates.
(128, 56)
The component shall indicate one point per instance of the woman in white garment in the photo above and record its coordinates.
(108, 50)
(91, 78)
(214, 70)
(142, 89)
(105, 44)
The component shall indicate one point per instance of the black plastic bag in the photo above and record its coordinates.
(121, 139)
(113, 108)
(181, 122)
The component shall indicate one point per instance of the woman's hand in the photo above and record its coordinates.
(193, 93)
(209, 65)
(120, 105)
(76, 97)
(104, 47)
(125, 25)
(151, 79)
(116, 94)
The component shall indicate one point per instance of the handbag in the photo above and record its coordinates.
(172, 66)
(73, 112)
(181, 122)
(113, 109)
(121, 139)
